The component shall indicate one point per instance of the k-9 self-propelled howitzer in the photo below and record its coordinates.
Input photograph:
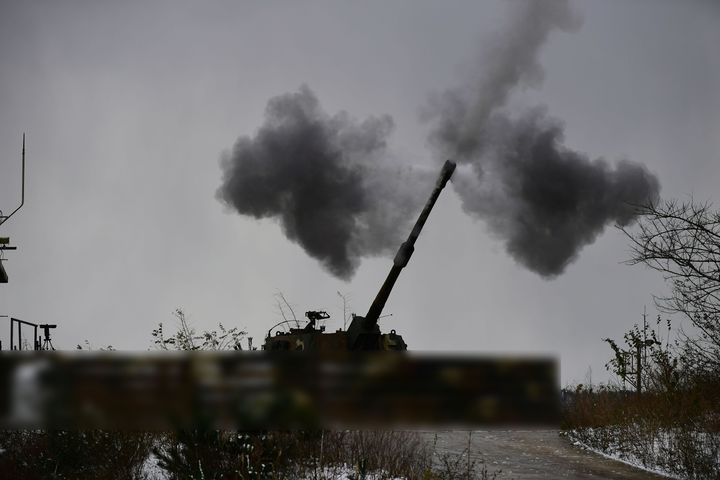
(363, 334)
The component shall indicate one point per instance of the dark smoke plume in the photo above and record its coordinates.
(321, 177)
(325, 179)
(545, 200)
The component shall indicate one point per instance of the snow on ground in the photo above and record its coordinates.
(677, 453)
(151, 470)
(343, 472)
(630, 459)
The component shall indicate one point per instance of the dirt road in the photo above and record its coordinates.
(522, 455)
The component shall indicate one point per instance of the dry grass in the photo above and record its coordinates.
(73, 455)
(676, 431)
(319, 455)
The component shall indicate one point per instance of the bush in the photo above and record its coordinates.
(73, 454)
(675, 431)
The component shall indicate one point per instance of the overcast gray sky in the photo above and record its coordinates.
(128, 107)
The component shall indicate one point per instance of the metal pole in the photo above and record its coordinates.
(639, 370)
(4, 219)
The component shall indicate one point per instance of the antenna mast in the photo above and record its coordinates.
(5, 241)
(4, 218)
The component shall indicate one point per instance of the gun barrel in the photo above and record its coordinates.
(407, 248)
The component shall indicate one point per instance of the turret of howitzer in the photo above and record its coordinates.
(361, 327)
(363, 334)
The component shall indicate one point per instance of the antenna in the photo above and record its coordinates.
(5, 241)
(4, 218)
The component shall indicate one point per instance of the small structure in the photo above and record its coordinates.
(38, 343)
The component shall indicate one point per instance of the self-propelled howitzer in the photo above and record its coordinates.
(363, 334)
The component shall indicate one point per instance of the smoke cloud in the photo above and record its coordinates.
(324, 179)
(327, 180)
(543, 199)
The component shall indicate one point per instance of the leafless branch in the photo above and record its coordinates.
(682, 241)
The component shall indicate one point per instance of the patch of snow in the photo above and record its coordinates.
(617, 455)
(344, 472)
(151, 470)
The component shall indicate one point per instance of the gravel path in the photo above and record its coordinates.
(533, 454)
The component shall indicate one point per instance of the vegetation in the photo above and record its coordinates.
(206, 453)
(670, 419)
(674, 431)
(186, 338)
(664, 411)
(73, 455)
(682, 241)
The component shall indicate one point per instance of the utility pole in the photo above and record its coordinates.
(639, 369)
(641, 353)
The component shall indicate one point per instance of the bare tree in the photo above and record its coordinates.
(346, 316)
(285, 309)
(682, 240)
